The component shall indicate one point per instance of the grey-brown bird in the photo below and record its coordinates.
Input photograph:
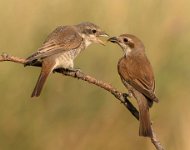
(61, 48)
(137, 75)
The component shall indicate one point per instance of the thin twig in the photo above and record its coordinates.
(122, 97)
(78, 74)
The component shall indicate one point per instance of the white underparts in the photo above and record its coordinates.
(66, 59)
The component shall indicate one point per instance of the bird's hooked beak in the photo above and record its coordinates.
(101, 34)
(116, 40)
(113, 40)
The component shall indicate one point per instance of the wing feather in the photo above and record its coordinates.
(63, 38)
(139, 75)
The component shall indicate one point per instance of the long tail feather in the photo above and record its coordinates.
(46, 70)
(144, 117)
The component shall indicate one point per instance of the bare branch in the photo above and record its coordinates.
(6, 57)
(79, 75)
(122, 97)
(155, 141)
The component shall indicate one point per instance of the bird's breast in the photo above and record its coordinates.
(66, 59)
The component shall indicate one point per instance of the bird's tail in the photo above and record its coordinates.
(41, 80)
(144, 117)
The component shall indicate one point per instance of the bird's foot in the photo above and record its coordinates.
(73, 69)
(130, 94)
(125, 95)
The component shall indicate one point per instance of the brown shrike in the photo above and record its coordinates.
(137, 75)
(61, 48)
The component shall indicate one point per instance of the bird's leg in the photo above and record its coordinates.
(130, 89)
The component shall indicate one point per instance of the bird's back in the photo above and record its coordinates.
(62, 39)
(138, 73)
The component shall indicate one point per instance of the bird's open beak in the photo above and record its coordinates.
(100, 42)
(113, 40)
(102, 34)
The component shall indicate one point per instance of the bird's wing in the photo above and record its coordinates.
(139, 75)
(63, 38)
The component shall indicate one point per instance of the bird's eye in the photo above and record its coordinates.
(94, 31)
(125, 40)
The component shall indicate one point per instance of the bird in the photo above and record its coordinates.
(137, 75)
(61, 47)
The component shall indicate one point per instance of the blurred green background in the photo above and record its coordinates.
(73, 115)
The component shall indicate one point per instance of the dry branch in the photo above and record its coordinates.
(122, 97)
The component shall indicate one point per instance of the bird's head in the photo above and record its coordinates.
(129, 43)
(91, 33)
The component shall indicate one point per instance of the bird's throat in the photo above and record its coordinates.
(87, 43)
(127, 51)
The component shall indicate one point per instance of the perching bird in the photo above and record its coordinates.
(61, 48)
(137, 75)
